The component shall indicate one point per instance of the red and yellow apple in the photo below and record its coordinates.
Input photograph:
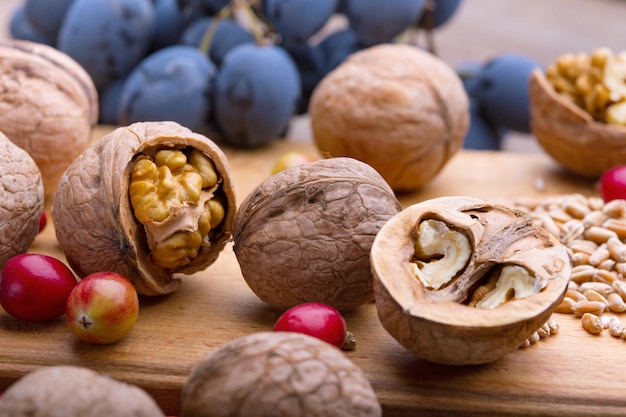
(102, 308)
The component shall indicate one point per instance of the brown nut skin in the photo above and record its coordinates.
(305, 233)
(48, 105)
(62, 391)
(21, 200)
(394, 106)
(94, 220)
(278, 374)
(437, 325)
(569, 134)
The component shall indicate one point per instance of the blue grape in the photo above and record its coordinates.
(227, 35)
(21, 28)
(337, 46)
(169, 23)
(297, 20)
(503, 90)
(109, 102)
(311, 64)
(107, 37)
(173, 83)
(256, 93)
(46, 15)
(442, 12)
(214, 6)
(376, 21)
(482, 135)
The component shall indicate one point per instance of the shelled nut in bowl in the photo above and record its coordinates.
(576, 107)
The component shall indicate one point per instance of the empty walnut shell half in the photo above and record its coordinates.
(147, 201)
(48, 105)
(305, 233)
(569, 134)
(462, 281)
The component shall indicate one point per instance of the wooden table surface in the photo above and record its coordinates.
(570, 373)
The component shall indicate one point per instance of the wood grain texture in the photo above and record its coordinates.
(571, 372)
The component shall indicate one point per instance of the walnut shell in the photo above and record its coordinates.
(305, 233)
(21, 200)
(278, 374)
(438, 324)
(396, 107)
(48, 105)
(93, 217)
(569, 134)
(61, 391)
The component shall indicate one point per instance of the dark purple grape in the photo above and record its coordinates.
(107, 37)
(169, 21)
(227, 35)
(214, 6)
(312, 66)
(297, 20)
(173, 83)
(21, 28)
(337, 46)
(257, 89)
(376, 21)
(502, 89)
(482, 134)
(442, 12)
(109, 102)
(47, 15)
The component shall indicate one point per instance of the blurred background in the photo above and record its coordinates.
(480, 30)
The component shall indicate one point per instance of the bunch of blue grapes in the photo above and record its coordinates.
(240, 69)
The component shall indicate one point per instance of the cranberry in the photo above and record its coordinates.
(35, 287)
(43, 220)
(314, 319)
(613, 184)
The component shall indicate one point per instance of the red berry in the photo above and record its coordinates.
(35, 287)
(613, 184)
(43, 220)
(314, 319)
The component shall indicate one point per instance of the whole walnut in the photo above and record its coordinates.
(278, 374)
(63, 390)
(48, 105)
(149, 201)
(396, 107)
(305, 233)
(21, 200)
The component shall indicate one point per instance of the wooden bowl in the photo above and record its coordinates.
(570, 135)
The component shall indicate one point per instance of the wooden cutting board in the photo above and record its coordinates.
(571, 373)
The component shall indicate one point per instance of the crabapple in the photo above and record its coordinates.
(102, 308)
(314, 319)
(35, 287)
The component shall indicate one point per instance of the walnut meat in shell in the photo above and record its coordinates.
(305, 233)
(21, 200)
(62, 391)
(570, 135)
(48, 105)
(462, 281)
(278, 374)
(396, 107)
(148, 201)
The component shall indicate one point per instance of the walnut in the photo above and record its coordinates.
(278, 374)
(463, 281)
(305, 233)
(48, 105)
(61, 391)
(22, 200)
(570, 113)
(396, 107)
(147, 201)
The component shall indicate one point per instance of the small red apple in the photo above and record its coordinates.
(102, 308)
(290, 159)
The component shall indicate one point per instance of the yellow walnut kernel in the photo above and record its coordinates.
(172, 195)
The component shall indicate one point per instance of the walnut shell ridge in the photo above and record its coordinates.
(305, 233)
(93, 217)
